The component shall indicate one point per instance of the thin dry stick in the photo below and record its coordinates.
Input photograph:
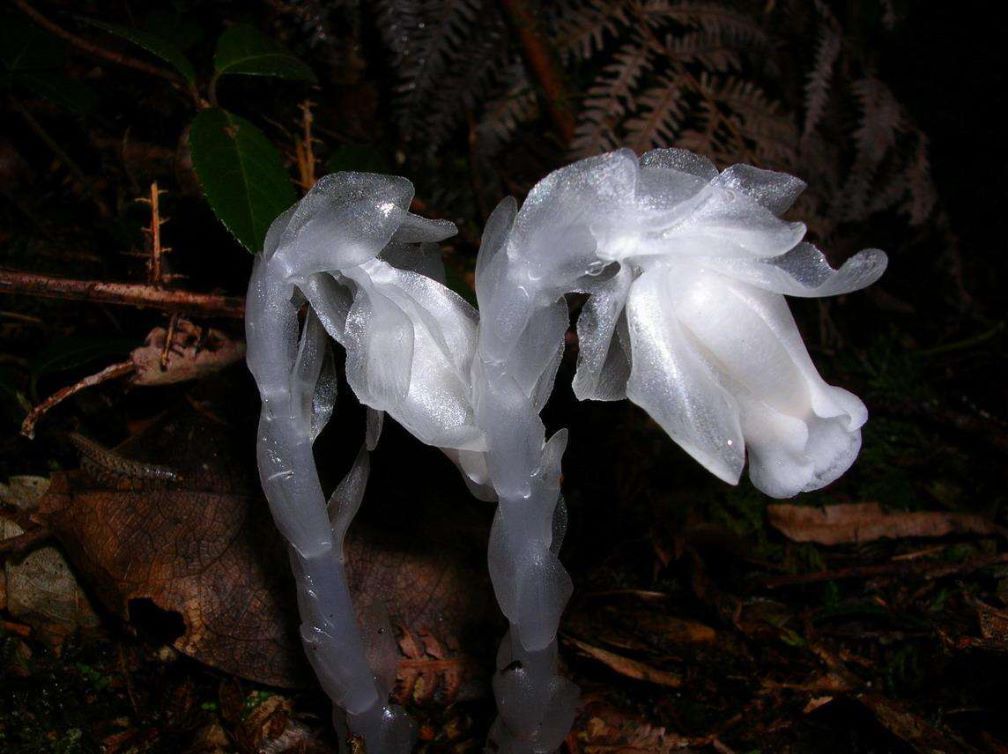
(169, 340)
(155, 262)
(108, 373)
(541, 60)
(19, 544)
(304, 149)
(125, 294)
(89, 47)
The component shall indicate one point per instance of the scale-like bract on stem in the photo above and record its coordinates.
(685, 269)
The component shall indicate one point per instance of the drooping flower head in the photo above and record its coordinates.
(687, 269)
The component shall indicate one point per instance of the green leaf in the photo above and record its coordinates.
(153, 43)
(241, 173)
(245, 50)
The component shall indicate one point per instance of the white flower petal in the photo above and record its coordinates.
(800, 432)
(727, 223)
(276, 231)
(417, 229)
(450, 320)
(346, 219)
(495, 234)
(434, 404)
(804, 272)
(788, 455)
(603, 365)
(538, 353)
(567, 215)
(379, 343)
(775, 191)
(745, 331)
(682, 160)
(331, 302)
(672, 382)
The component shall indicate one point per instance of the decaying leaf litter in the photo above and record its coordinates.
(870, 618)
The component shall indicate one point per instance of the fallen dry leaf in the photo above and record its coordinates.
(628, 667)
(866, 522)
(41, 589)
(194, 353)
(203, 549)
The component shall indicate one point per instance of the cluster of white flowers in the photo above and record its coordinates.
(686, 270)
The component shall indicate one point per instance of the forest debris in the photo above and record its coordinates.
(917, 568)
(910, 728)
(993, 623)
(628, 667)
(200, 559)
(428, 671)
(111, 372)
(672, 630)
(604, 729)
(635, 624)
(847, 523)
(41, 589)
(193, 352)
(124, 294)
(183, 351)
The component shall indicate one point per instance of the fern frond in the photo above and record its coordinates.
(881, 117)
(705, 49)
(818, 83)
(660, 116)
(502, 116)
(609, 98)
(581, 27)
(923, 197)
(760, 129)
(718, 21)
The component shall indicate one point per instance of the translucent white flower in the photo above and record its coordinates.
(373, 275)
(686, 268)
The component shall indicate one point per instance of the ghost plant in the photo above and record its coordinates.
(367, 269)
(686, 270)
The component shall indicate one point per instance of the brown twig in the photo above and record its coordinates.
(108, 373)
(541, 60)
(155, 262)
(304, 148)
(169, 340)
(124, 294)
(99, 52)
